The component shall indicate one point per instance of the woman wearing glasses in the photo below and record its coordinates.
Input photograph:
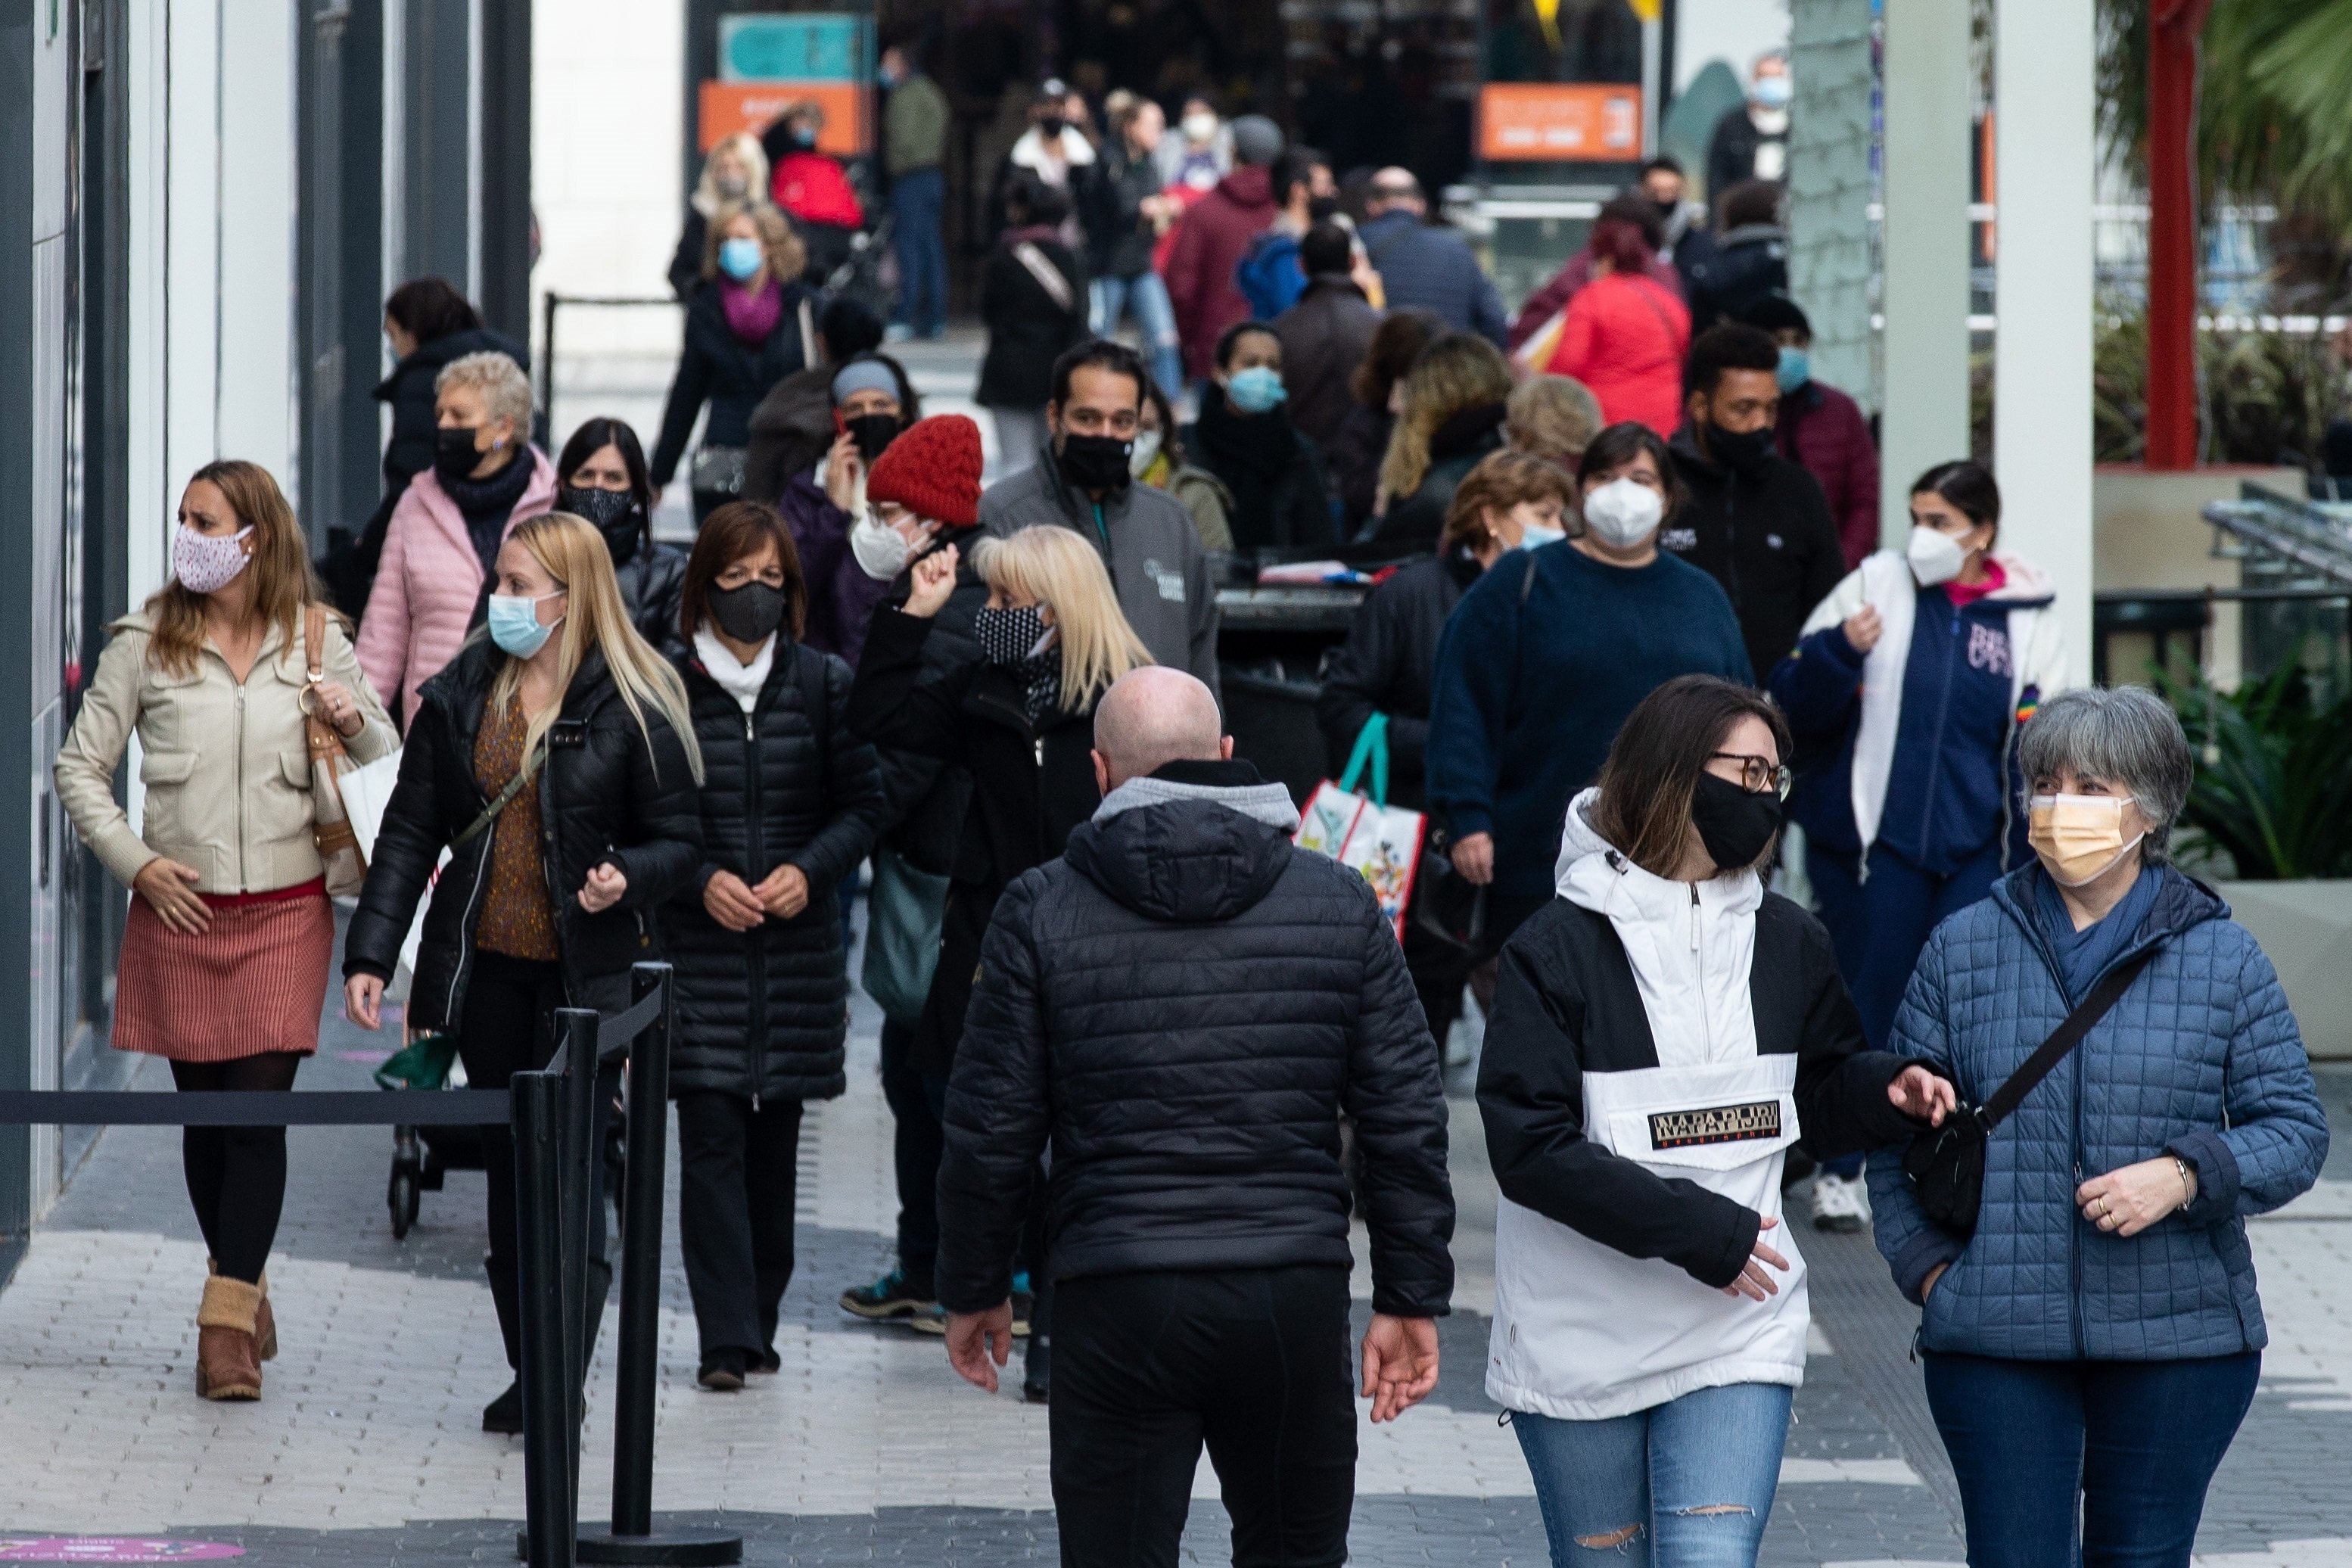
(1663, 1030)
(1907, 693)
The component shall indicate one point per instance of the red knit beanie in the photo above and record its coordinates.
(932, 469)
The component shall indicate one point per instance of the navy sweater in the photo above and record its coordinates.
(1534, 675)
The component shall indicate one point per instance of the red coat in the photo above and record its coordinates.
(1545, 303)
(1210, 240)
(1824, 429)
(1624, 338)
(812, 188)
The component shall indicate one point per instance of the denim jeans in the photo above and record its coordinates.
(916, 201)
(2135, 1441)
(1686, 1484)
(1146, 294)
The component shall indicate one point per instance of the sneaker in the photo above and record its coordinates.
(767, 1363)
(933, 1320)
(1840, 1203)
(722, 1371)
(896, 1295)
(504, 1414)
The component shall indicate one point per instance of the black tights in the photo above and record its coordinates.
(236, 1175)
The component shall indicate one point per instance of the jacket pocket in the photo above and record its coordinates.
(164, 775)
(279, 809)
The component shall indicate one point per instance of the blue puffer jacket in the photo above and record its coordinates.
(2200, 1058)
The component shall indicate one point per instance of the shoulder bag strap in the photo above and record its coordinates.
(811, 670)
(2068, 1035)
(809, 355)
(314, 642)
(1049, 276)
(473, 829)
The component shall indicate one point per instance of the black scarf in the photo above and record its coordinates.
(1252, 453)
(1465, 430)
(487, 503)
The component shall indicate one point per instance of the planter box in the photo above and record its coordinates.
(2307, 930)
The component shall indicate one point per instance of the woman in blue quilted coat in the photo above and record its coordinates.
(2096, 1341)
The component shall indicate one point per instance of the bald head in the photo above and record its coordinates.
(1152, 717)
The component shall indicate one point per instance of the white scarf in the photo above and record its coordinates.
(740, 680)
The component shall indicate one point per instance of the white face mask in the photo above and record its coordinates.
(206, 562)
(1935, 556)
(881, 550)
(1624, 512)
(1199, 128)
(1147, 448)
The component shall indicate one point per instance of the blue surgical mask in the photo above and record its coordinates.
(1796, 369)
(1534, 535)
(1774, 91)
(514, 624)
(740, 257)
(1256, 389)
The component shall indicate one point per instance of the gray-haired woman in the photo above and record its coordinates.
(2095, 1344)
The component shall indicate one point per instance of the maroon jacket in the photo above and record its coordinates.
(1824, 429)
(1553, 297)
(1210, 240)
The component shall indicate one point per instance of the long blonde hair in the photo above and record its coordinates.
(1055, 567)
(1458, 371)
(594, 616)
(783, 256)
(748, 152)
(282, 579)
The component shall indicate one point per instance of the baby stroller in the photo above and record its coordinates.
(865, 274)
(421, 1157)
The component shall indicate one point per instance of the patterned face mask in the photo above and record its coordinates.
(206, 563)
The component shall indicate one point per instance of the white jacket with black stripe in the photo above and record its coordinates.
(1655, 1047)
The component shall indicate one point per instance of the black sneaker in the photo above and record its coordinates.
(504, 1414)
(767, 1362)
(1036, 1369)
(896, 1294)
(722, 1371)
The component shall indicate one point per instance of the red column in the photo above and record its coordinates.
(2173, 29)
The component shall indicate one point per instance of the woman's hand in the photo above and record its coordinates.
(363, 1001)
(1474, 856)
(169, 890)
(1922, 1096)
(338, 706)
(1861, 629)
(784, 892)
(603, 889)
(1753, 1282)
(1928, 1288)
(843, 465)
(935, 579)
(730, 903)
(2126, 1202)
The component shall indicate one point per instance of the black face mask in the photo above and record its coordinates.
(748, 614)
(453, 455)
(1096, 462)
(1666, 210)
(872, 432)
(1745, 452)
(1734, 825)
(1322, 209)
(615, 513)
(1051, 125)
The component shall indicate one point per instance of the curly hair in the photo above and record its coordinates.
(1458, 371)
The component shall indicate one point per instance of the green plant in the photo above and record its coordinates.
(2274, 784)
(2267, 395)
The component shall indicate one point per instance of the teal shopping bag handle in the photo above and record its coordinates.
(1372, 746)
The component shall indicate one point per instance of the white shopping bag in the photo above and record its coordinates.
(1380, 842)
(367, 790)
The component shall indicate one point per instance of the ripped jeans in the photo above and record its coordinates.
(1686, 1484)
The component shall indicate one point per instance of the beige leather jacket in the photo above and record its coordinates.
(227, 767)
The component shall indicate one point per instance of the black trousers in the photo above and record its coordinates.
(236, 1175)
(1252, 1362)
(508, 1027)
(1439, 971)
(737, 1168)
(916, 1145)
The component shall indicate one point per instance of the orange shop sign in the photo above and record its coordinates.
(1560, 121)
(731, 106)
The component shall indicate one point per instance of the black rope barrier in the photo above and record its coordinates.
(254, 1108)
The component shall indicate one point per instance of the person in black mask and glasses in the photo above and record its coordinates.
(1756, 522)
(1145, 536)
(602, 477)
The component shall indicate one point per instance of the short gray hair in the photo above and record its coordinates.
(2126, 736)
(505, 389)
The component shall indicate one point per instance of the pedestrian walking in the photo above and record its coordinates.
(1160, 460)
(1214, 235)
(603, 469)
(1747, 263)
(734, 175)
(1541, 662)
(1201, 152)
(1908, 692)
(1625, 334)
(1631, 207)
(2090, 1349)
(1274, 474)
(1424, 266)
(791, 802)
(751, 324)
(1823, 429)
(1663, 1031)
(1051, 153)
(556, 760)
(1179, 1010)
(810, 186)
(1032, 300)
(915, 118)
(1325, 333)
(1271, 275)
(1131, 213)
(1451, 416)
(1554, 417)
(439, 548)
(227, 944)
(1751, 141)
(1146, 538)
(1374, 399)
(1757, 523)
(872, 403)
(791, 427)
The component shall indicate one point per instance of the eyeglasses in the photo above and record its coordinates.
(1758, 774)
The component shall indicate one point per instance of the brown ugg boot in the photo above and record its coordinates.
(227, 1367)
(265, 1323)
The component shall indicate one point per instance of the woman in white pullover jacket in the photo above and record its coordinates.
(1662, 1032)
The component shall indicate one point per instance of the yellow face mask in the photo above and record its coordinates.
(2079, 836)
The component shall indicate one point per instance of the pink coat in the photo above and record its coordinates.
(428, 582)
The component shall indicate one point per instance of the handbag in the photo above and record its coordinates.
(339, 848)
(1446, 904)
(718, 470)
(422, 1063)
(903, 911)
(1946, 1165)
(1379, 842)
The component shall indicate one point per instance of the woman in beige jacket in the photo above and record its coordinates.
(224, 958)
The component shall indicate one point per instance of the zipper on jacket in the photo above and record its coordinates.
(244, 882)
(755, 1018)
(1943, 713)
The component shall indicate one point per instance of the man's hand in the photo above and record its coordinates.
(1923, 1095)
(974, 1338)
(1474, 856)
(1400, 1363)
(784, 892)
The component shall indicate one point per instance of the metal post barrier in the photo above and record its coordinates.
(550, 1439)
(576, 1030)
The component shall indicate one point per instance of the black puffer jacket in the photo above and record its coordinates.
(602, 796)
(761, 1014)
(1386, 665)
(652, 576)
(1184, 1004)
(408, 390)
(716, 367)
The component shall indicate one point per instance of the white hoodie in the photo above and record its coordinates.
(1582, 1331)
